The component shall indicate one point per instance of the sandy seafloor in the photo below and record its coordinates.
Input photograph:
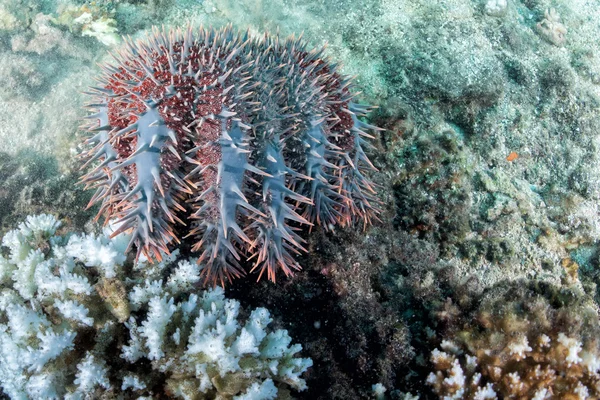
(489, 171)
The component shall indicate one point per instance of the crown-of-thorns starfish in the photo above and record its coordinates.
(232, 140)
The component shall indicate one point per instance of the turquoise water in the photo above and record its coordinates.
(483, 265)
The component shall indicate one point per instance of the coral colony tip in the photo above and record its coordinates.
(236, 141)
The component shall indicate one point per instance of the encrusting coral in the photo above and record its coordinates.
(523, 349)
(242, 140)
(66, 311)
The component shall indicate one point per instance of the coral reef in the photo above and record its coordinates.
(68, 302)
(521, 347)
(258, 135)
(490, 164)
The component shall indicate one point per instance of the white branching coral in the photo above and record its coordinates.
(90, 374)
(220, 351)
(94, 251)
(573, 347)
(66, 307)
(519, 348)
(72, 310)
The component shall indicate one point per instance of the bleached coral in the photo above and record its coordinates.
(72, 310)
(519, 348)
(541, 394)
(90, 374)
(263, 391)
(66, 307)
(95, 251)
(573, 347)
(485, 393)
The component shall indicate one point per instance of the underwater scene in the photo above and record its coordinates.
(300, 199)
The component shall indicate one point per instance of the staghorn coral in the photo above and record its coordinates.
(66, 312)
(246, 138)
(521, 349)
